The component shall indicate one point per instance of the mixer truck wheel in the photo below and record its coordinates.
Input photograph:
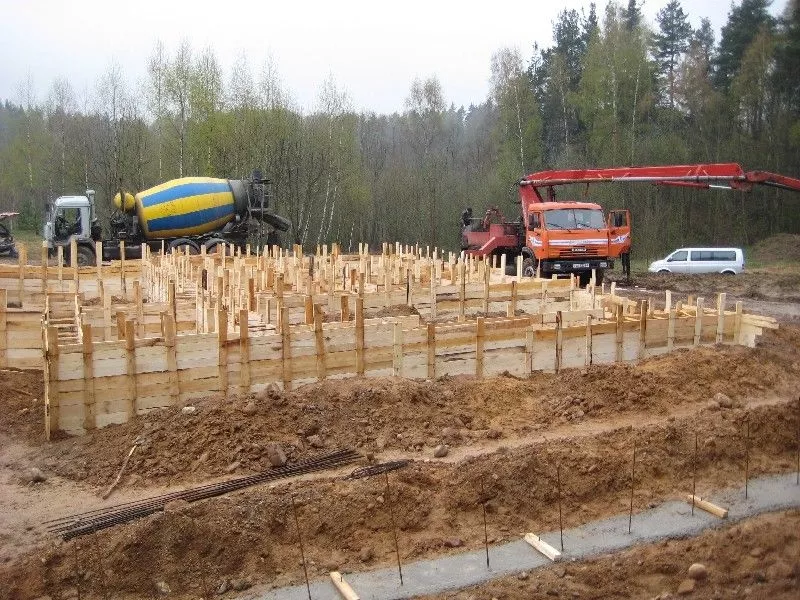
(212, 246)
(182, 244)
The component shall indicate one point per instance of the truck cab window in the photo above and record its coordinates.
(534, 222)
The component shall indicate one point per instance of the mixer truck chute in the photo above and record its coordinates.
(190, 212)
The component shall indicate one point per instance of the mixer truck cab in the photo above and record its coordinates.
(72, 217)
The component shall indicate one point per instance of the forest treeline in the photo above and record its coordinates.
(609, 91)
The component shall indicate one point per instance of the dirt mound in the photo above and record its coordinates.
(779, 248)
(758, 558)
(781, 286)
(251, 535)
(22, 404)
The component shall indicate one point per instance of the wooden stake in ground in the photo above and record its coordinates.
(394, 527)
(485, 529)
(798, 441)
(633, 475)
(746, 458)
(694, 473)
(110, 489)
(300, 544)
(560, 517)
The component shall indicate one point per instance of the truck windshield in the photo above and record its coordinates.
(574, 218)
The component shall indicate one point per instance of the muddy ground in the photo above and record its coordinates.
(505, 438)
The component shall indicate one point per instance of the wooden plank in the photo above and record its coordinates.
(542, 546)
(286, 349)
(89, 407)
(342, 586)
(707, 506)
(244, 351)
(172, 361)
(51, 399)
(222, 350)
(643, 310)
(4, 328)
(720, 317)
(360, 335)
(698, 322)
(559, 348)
(130, 356)
(397, 348)
(319, 343)
(479, 347)
(431, 351)
(588, 357)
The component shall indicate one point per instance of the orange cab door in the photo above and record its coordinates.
(619, 228)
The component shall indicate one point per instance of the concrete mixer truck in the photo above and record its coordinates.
(185, 213)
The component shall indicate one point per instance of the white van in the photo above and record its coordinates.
(728, 261)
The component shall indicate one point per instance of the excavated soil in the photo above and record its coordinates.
(506, 437)
(759, 558)
(377, 415)
(249, 536)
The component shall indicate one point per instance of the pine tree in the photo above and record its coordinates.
(670, 42)
(744, 23)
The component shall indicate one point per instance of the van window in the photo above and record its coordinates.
(679, 256)
(714, 255)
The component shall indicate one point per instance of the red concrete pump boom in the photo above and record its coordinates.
(705, 176)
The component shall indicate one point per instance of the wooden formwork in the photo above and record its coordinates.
(93, 384)
(120, 339)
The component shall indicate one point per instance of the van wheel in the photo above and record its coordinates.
(663, 272)
(728, 273)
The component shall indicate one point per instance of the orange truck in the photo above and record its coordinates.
(562, 237)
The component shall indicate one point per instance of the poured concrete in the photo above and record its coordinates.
(669, 520)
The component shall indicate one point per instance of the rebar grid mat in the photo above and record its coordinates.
(88, 522)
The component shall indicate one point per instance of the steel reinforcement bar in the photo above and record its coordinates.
(88, 522)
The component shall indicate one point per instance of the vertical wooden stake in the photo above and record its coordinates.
(345, 307)
(698, 322)
(360, 336)
(747, 458)
(222, 339)
(560, 517)
(485, 528)
(559, 341)
(479, 346)
(319, 343)
(130, 357)
(397, 349)
(394, 526)
(300, 544)
(694, 473)
(44, 267)
(89, 407)
(431, 351)
(244, 351)
(633, 479)
(286, 346)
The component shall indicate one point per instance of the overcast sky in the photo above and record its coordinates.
(373, 49)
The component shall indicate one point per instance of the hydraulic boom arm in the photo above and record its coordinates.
(705, 176)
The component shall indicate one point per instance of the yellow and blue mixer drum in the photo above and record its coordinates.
(187, 206)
